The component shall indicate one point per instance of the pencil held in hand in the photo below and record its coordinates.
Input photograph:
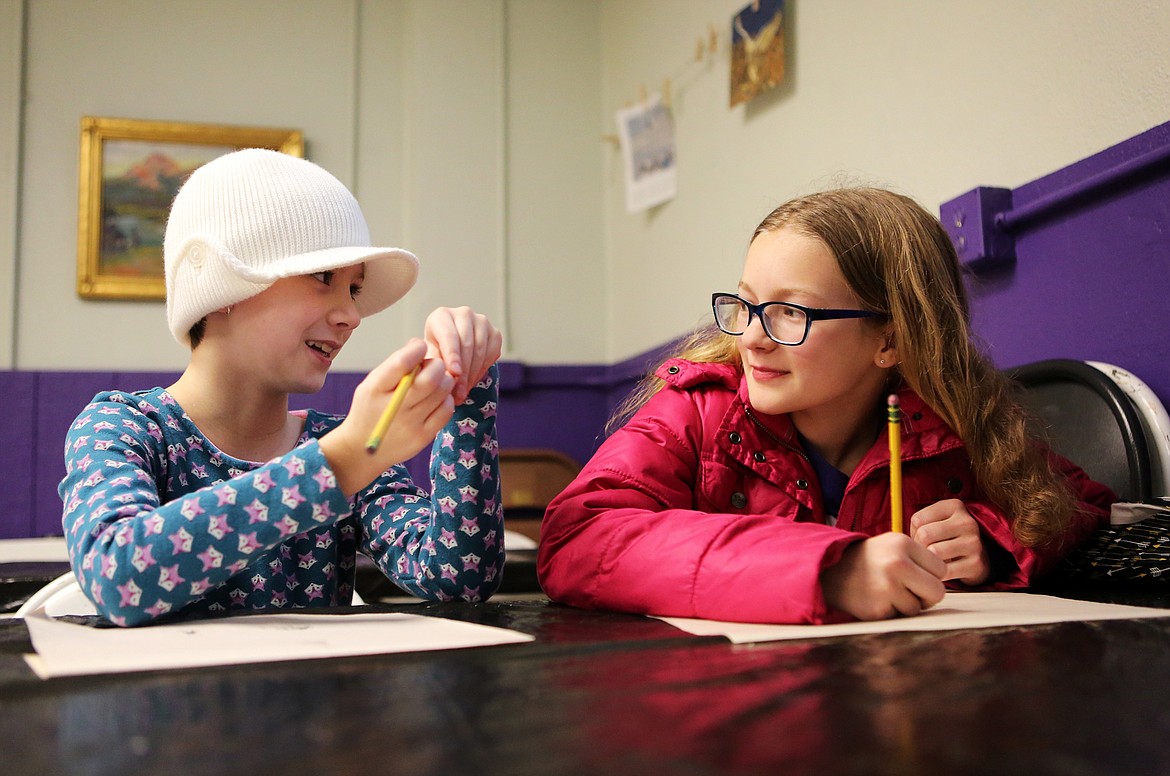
(391, 410)
(894, 416)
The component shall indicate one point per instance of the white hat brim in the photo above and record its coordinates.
(390, 272)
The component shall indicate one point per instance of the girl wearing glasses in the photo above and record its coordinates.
(751, 481)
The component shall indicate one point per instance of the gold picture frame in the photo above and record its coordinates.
(130, 172)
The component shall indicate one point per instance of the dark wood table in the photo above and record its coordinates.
(620, 694)
(18, 581)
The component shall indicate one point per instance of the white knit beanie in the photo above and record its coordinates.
(246, 219)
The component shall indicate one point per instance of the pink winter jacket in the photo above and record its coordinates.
(692, 509)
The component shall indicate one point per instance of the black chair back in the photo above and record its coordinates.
(1091, 421)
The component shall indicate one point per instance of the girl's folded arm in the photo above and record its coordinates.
(138, 559)
(449, 544)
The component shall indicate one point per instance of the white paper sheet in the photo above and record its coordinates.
(955, 612)
(1129, 512)
(646, 137)
(513, 540)
(49, 549)
(68, 649)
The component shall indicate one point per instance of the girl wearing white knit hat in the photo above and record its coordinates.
(209, 494)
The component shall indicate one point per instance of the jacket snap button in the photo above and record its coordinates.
(735, 437)
(802, 484)
(760, 457)
(673, 370)
(954, 485)
(738, 500)
(917, 416)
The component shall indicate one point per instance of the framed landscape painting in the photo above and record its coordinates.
(130, 173)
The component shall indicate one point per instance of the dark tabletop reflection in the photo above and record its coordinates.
(616, 694)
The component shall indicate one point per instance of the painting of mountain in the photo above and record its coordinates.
(139, 181)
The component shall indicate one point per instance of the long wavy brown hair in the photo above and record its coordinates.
(900, 262)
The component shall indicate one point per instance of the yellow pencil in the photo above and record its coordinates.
(391, 410)
(894, 416)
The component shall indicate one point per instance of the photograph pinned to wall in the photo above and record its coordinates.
(757, 49)
(130, 173)
(646, 136)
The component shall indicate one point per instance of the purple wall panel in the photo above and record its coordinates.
(139, 381)
(60, 398)
(559, 407)
(334, 396)
(566, 419)
(1092, 276)
(17, 453)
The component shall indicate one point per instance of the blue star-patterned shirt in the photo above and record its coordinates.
(159, 521)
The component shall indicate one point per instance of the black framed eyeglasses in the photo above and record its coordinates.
(784, 322)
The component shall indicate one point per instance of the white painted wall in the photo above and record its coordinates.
(11, 23)
(933, 97)
(406, 101)
(557, 284)
(214, 62)
(471, 130)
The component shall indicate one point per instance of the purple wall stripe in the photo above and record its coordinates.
(18, 440)
(1095, 186)
(559, 407)
(1091, 276)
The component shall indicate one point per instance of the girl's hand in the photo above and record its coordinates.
(466, 342)
(426, 409)
(882, 577)
(947, 529)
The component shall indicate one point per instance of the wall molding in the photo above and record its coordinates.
(985, 223)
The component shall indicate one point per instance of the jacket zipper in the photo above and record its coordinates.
(760, 425)
(804, 455)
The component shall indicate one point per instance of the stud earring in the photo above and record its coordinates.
(882, 362)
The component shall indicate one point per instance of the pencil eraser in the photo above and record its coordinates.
(893, 400)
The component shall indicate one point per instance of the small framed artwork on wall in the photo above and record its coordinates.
(130, 172)
(757, 49)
